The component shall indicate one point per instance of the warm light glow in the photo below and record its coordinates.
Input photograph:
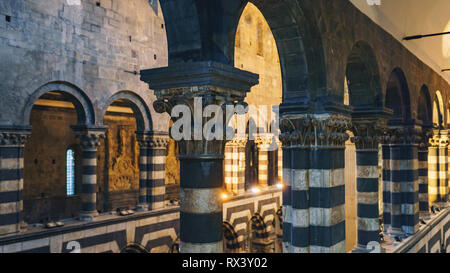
(256, 190)
(280, 186)
(446, 42)
(224, 196)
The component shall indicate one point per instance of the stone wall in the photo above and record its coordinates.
(96, 48)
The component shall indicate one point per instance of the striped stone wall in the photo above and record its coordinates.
(153, 231)
(239, 211)
(434, 237)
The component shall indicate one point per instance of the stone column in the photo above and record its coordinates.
(386, 176)
(144, 144)
(433, 169)
(89, 140)
(443, 167)
(156, 166)
(313, 175)
(194, 88)
(228, 165)
(235, 166)
(240, 189)
(263, 143)
(424, 207)
(12, 142)
(404, 179)
(280, 162)
(368, 132)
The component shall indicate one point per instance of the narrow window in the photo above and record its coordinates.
(70, 171)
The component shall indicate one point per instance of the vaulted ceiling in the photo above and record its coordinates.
(415, 17)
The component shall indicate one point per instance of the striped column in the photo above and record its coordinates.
(89, 140)
(368, 134)
(410, 190)
(423, 176)
(313, 174)
(241, 168)
(327, 200)
(228, 165)
(386, 154)
(201, 153)
(280, 163)
(367, 194)
(433, 170)
(397, 177)
(263, 164)
(12, 144)
(156, 166)
(443, 168)
(296, 214)
(144, 144)
(405, 180)
(201, 179)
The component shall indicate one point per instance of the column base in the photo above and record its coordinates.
(142, 207)
(215, 247)
(88, 216)
(395, 232)
(424, 215)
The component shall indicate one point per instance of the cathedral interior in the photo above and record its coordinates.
(355, 160)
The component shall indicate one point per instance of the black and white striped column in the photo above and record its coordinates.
(433, 170)
(201, 179)
(89, 141)
(296, 214)
(144, 143)
(197, 87)
(367, 194)
(397, 177)
(12, 142)
(424, 207)
(156, 166)
(369, 133)
(443, 167)
(386, 176)
(405, 181)
(313, 175)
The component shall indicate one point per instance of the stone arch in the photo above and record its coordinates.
(82, 103)
(424, 110)
(397, 96)
(231, 242)
(438, 110)
(363, 78)
(299, 47)
(134, 248)
(136, 103)
(212, 32)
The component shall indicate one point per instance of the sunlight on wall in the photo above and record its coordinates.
(446, 42)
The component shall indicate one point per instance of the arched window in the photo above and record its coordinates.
(70, 172)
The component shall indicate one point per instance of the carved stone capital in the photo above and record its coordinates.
(159, 141)
(368, 133)
(426, 137)
(185, 83)
(264, 141)
(89, 136)
(14, 136)
(238, 142)
(326, 130)
(411, 135)
(439, 139)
